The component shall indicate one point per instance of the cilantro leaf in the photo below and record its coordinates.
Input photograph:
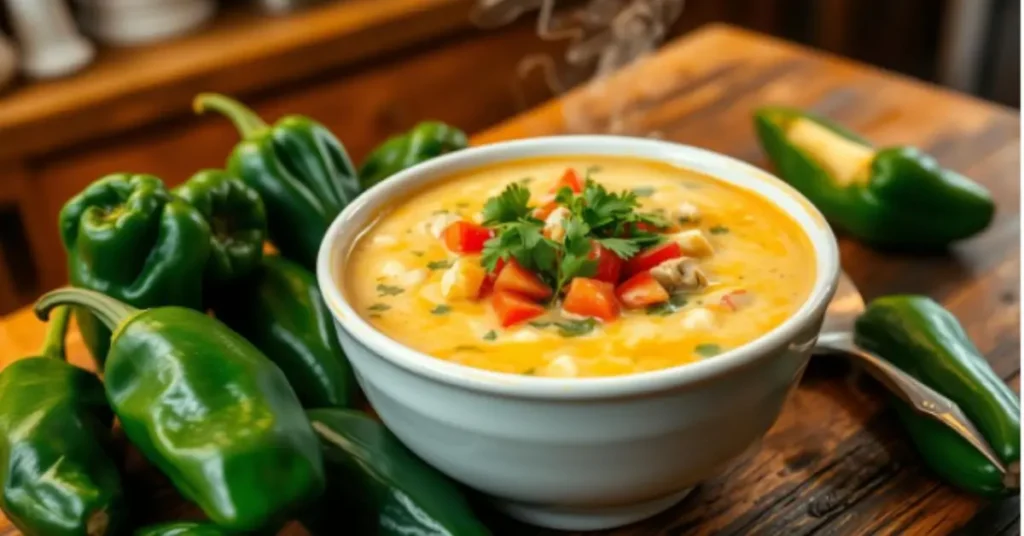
(511, 205)
(576, 328)
(388, 290)
(623, 248)
(439, 265)
(708, 350)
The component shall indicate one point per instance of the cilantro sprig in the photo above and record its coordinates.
(610, 219)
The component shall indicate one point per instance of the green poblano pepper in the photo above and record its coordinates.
(378, 487)
(299, 168)
(129, 238)
(894, 197)
(55, 466)
(207, 409)
(237, 220)
(926, 341)
(426, 140)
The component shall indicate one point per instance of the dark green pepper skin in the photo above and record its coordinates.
(925, 340)
(378, 487)
(127, 237)
(237, 220)
(426, 140)
(207, 409)
(299, 168)
(281, 312)
(58, 476)
(909, 201)
(183, 528)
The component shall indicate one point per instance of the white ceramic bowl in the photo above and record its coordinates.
(584, 453)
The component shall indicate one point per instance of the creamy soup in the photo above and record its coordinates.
(579, 266)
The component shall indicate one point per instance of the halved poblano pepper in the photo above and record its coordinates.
(889, 197)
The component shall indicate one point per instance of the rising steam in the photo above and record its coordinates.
(602, 37)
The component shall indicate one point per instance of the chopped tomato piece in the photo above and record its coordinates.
(514, 278)
(590, 297)
(651, 257)
(642, 290)
(488, 285)
(542, 212)
(513, 308)
(609, 265)
(569, 179)
(466, 237)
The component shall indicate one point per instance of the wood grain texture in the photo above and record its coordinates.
(836, 462)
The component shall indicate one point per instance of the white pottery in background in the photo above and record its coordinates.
(579, 453)
(49, 42)
(8, 61)
(136, 22)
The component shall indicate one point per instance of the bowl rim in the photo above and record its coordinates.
(826, 254)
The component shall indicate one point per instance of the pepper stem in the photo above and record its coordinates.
(110, 311)
(53, 345)
(245, 120)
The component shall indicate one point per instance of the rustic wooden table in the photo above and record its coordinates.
(836, 462)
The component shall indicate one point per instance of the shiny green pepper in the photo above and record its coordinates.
(129, 238)
(926, 341)
(57, 473)
(207, 409)
(299, 168)
(376, 486)
(183, 528)
(894, 197)
(426, 140)
(238, 224)
(279, 309)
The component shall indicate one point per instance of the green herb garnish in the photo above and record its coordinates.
(576, 328)
(378, 307)
(591, 170)
(539, 324)
(439, 265)
(441, 310)
(491, 335)
(718, 229)
(674, 303)
(708, 350)
(595, 215)
(388, 290)
(643, 191)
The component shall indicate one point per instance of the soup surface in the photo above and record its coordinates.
(700, 267)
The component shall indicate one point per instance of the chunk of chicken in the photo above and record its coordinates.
(698, 319)
(680, 274)
(437, 223)
(563, 366)
(693, 243)
(553, 225)
(687, 212)
(463, 279)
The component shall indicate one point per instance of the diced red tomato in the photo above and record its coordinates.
(590, 297)
(569, 179)
(514, 278)
(488, 285)
(542, 212)
(513, 308)
(735, 299)
(609, 265)
(651, 257)
(641, 290)
(466, 237)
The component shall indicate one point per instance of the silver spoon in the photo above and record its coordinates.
(837, 338)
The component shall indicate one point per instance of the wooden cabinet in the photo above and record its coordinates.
(462, 76)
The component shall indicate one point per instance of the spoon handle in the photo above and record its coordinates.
(922, 398)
